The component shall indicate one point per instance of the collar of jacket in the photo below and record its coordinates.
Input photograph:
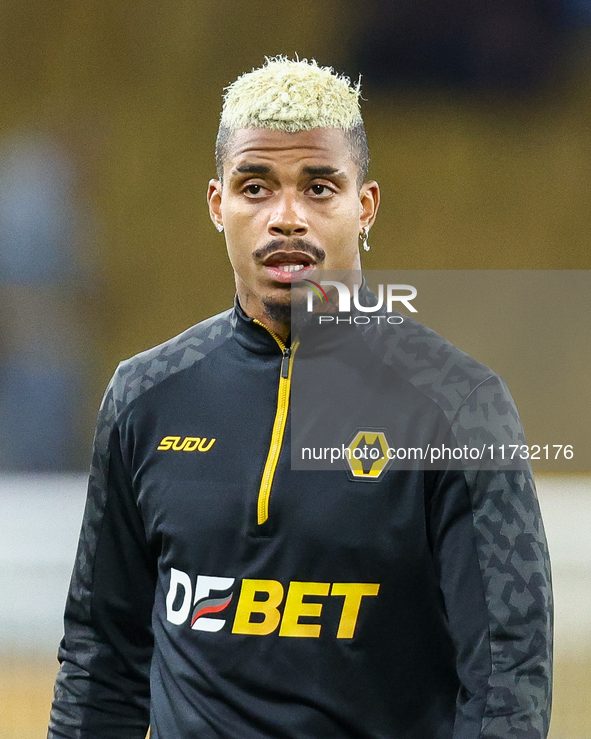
(314, 338)
(250, 335)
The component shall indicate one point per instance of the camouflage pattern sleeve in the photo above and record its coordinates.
(102, 688)
(492, 561)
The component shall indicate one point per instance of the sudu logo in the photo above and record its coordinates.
(186, 444)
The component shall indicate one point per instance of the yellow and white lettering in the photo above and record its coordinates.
(190, 443)
(167, 442)
(353, 592)
(296, 607)
(178, 578)
(247, 605)
(203, 587)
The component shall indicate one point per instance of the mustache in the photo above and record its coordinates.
(317, 253)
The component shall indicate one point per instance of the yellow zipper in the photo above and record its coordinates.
(278, 426)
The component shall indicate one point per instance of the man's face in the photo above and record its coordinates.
(289, 204)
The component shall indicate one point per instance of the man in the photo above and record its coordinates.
(219, 593)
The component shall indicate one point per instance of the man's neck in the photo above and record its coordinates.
(280, 328)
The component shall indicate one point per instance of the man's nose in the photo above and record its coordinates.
(288, 219)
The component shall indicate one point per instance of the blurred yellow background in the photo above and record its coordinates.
(130, 93)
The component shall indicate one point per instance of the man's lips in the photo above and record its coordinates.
(288, 266)
(284, 264)
(288, 258)
(290, 251)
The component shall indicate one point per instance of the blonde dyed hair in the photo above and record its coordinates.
(287, 95)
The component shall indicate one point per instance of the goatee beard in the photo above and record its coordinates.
(291, 314)
(278, 312)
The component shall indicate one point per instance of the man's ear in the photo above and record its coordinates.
(369, 202)
(214, 202)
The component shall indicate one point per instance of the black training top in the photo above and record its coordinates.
(220, 594)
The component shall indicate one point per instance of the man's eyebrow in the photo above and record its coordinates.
(311, 171)
(325, 172)
(253, 169)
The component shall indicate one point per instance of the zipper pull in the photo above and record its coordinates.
(285, 362)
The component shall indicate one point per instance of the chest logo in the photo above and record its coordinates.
(367, 455)
(186, 444)
(265, 606)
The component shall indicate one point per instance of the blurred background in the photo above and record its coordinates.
(479, 122)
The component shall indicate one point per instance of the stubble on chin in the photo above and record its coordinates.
(278, 311)
(291, 313)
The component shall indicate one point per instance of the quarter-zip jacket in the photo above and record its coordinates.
(218, 593)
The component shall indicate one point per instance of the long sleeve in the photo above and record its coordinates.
(492, 560)
(102, 689)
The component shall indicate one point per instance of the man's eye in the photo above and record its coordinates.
(320, 190)
(253, 189)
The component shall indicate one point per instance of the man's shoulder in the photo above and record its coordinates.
(139, 373)
(432, 364)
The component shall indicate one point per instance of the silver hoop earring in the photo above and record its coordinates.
(364, 235)
(219, 227)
